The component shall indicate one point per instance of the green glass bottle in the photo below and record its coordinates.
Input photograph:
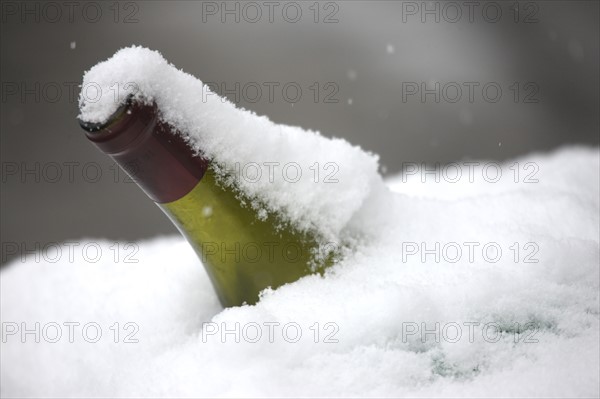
(242, 253)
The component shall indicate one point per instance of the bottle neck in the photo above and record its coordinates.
(157, 158)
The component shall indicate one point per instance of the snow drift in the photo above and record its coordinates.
(374, 300)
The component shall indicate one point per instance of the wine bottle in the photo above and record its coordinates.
(242, 253)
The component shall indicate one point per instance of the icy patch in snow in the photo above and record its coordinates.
(314, 182)
(374, 299)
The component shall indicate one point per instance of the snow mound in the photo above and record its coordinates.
(385, 322)
(316, 183)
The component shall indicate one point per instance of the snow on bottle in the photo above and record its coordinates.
(190, 150)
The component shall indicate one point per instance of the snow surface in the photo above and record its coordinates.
(229, 135)
(369, 296)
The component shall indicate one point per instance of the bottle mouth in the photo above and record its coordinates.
(93, 127)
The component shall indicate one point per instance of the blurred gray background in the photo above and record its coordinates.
(353, 61)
